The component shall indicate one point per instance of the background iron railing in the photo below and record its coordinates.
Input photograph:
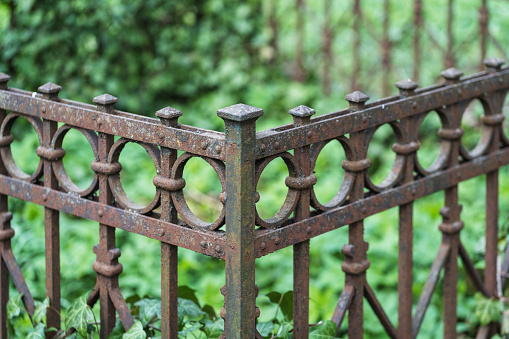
(239, 236)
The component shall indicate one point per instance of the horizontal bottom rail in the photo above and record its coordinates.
(268, 241)
(206, 243)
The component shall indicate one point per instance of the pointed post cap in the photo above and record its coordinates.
(4, 78)
(357, 100)
(49, 88)
(105, 102)
(105, 99)
(168, 113)
(302, 111)
(169, 116)
(493, 64)
(451, 75)
(240, 112)
(406, 87)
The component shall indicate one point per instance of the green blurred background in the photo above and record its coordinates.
(199, 56)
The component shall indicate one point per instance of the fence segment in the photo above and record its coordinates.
(240, 235)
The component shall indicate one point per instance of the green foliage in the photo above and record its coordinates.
(78, 317)
(487, 310)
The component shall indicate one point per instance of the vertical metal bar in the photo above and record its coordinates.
(51, 217)
(405, 254)
(326, 48)
(240, 296)
(492, 122)
(169, 253)
(356, 48)
(386, 50)
(301, 117)
(452, 225)
(4, 271)
(418, 20)
(356, 262)
(106, 234)
(484, 30)
(449, 55)
(298, 72)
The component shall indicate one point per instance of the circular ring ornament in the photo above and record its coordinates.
(445, 146)
(114, 180)
(292, 197)
(179, 199)
(348, 178)
(396, 172)
(6, 140)
(486, 133)
(58, 166)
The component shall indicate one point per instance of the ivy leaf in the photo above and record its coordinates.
(135, 332)
(40, 310)
(189, 328)
(189, 308)
(325, 331)
(118, 330)
(504, 328)
(487, 310)
(285, 302)
(149, 308)
(38, 332)
(14, 306)
(78, 316)
(188, 293)
(213, 330)
(265, 328)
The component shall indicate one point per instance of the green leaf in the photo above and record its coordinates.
(186, 292)
(285, 302)
(149, 308)
(504, 328)
(325, 331)
(78, 316)
(214, 329)
(40, 310)
(265, 328)
(189, 308)
(38, 332)
(487, 310)
(14, 306)
(135, 332)
(118, 330)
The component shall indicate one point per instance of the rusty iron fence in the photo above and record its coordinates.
(239, 236)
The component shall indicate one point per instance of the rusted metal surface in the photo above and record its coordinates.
(240, 235)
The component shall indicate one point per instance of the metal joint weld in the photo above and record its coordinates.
(355, 268)
(300, 183)
(492, 120)
(451, 228)
(6, 140)
(450, 133)
(405, 149)
(169, 184)
(106, 168)
(356, 165)
(6, 234)
(50, 154)
(107, 270)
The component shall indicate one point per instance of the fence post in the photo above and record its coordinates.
(407, 149)
(169, 253)
(301, 117)
(51, 217)
(5, 225)
(240, 294)
(451, 224)
(356, 262)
